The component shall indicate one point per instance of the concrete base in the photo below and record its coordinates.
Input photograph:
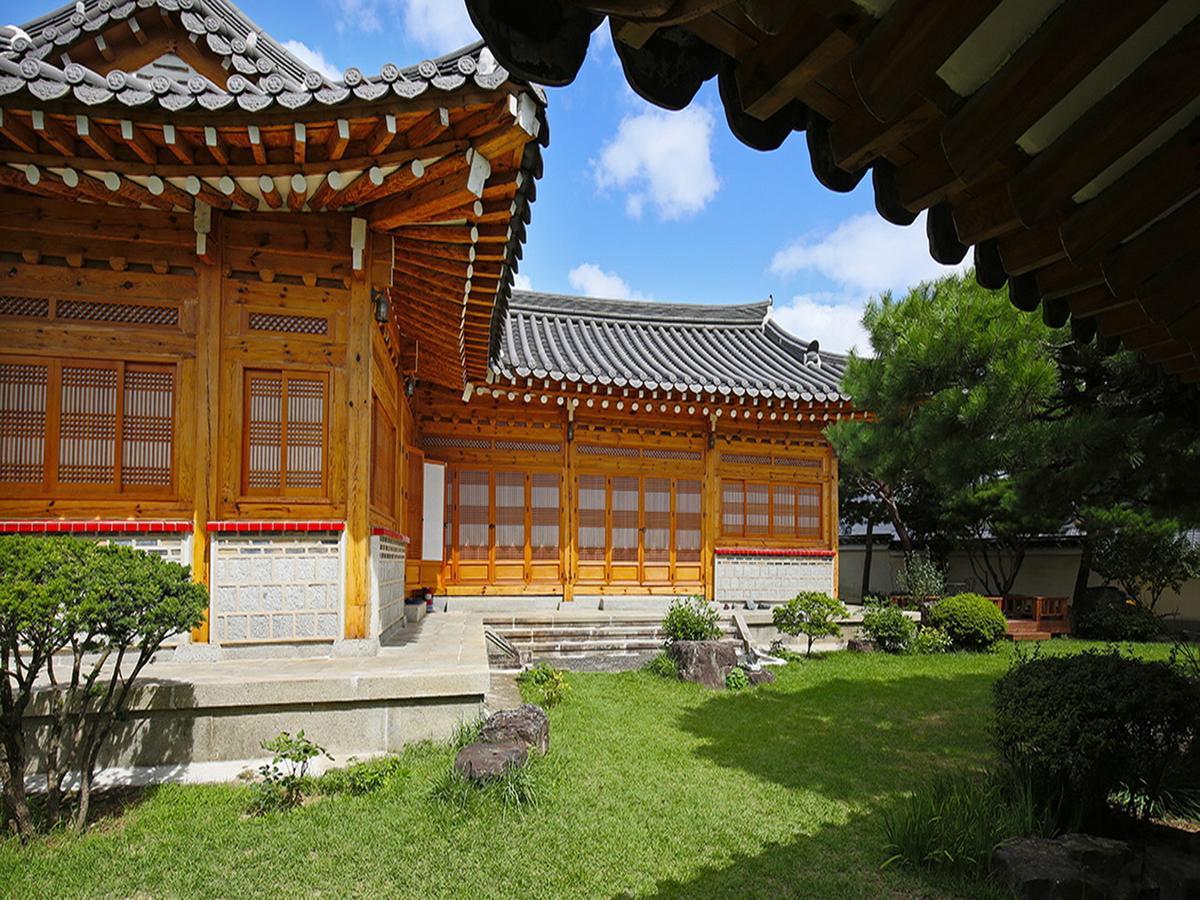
(188, 717)
(498, 604)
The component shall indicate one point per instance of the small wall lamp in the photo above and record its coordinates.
(382, 304)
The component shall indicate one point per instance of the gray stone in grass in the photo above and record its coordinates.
(483, 762)
(1072, 866)
(704, 662)
(760, 676)
(527, 725)
(861, 645)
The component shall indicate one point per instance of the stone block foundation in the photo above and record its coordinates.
(276, 587)
(771, 576)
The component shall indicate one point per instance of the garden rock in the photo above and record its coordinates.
(1177, 875)
(481, 762)
(704, 662)
(760, 676)
(527, 725)
(861, 645)
(1074, 865)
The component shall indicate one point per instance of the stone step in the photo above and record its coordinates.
(550, 648)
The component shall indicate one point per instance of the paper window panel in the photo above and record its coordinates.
(264, 428)
(624, 519)
(472, 514)
(87, 443)
(147, 427)
(304, 465)
(687, 521)
(23, 393)
(592, 532)
(657, 535)
(808, 511)
(510, 515)
(758, 509)
(544, 515)
(733, 507)
(784, 510)
(383, 458)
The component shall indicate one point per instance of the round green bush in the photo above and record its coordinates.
(1113, 618)
(737, 679)
(890, 629)
(1086, 727)
(973, 622)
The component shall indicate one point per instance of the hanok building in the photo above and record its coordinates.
(261, 321)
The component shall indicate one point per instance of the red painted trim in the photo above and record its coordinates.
(256, 525)
(98, 526)
(390, 533)
(773, 551)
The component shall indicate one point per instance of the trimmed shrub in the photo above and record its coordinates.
(931, 640)
(973, 622)
(1084, 728)
(691, 619)
(811, 614)
(1112, 618)
(890, 629)
(737, 679)
(663, 666)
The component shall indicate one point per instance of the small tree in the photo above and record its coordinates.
(812, 614)
(1141, 554)
(111, 608)
(920, 577)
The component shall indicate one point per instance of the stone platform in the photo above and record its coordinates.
(205, 721)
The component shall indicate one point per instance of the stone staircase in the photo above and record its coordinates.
(576, 635)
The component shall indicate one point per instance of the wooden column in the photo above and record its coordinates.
(832, 518)
(358, 437)
(570, 510)
(207, 413)
(710, 514)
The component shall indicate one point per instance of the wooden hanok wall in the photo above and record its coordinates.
(116, 334)
(644, 496)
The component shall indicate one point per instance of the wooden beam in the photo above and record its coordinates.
(18, 132)
(1162, 86)
(141, 145)
(1031, 248)
(257, 149)
(52, 132)
(772, 75)
(1141, 195)
(1093, 301)
(401, 179)
(298, 193)
(902, 54)
(269, 192)
(334, 182)
(1152, 251)
(178, 145)
(1072, 41)
(237, 193)
(95, 137)
(382, 136)
(429, 127)
(339, 139)
(989, 215)
(858, 137)
(216, 146)
(1168, 293)
(202, 190)
(349, 195)
(299, 143)
(162, 188)
(1064, 277)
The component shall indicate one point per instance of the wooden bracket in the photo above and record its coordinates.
(358, 242)
(202, 222)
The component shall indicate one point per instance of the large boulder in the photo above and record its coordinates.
(1074, 865)
(704, 662)
(481, 762)
(527, 725)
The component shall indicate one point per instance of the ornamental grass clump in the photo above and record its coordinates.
(548, 685)
(972, 622)
(691, 619)
(811, 614)
(663, 666)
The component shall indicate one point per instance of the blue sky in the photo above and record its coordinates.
(638, 202)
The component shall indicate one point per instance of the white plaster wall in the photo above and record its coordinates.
(768, 579)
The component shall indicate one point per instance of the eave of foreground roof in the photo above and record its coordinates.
(734, 352)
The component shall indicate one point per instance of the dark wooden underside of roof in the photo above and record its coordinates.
(1096, 224)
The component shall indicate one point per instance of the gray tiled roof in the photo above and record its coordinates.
(736, 350)
(263, 72)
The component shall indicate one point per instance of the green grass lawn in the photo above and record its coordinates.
(651, 788)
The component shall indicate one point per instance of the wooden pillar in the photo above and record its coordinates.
(833, 518)
(358, 437)
(710, 517)
(206, 417)
(570, 508)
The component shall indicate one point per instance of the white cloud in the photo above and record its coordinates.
(833, 320)
(522, 282)
(440, 25)
(314, 58)
(592, 281)
(437, 25)
(864, 254)
(663, 159)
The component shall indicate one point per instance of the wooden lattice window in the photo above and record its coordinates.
(624, 537)
(775, 510)
(687, 521)
(510, 515)
(285, 433)
(656, 534)
(544, 515)
(473, 514)
(83, 427)
(383, 458)
(593, 538)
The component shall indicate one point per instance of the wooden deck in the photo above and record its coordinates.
(1035, 618)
